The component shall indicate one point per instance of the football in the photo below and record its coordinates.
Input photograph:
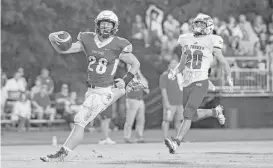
(61, 40)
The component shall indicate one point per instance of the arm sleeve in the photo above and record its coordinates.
(180, 41)
(218, 42)
(126, 46)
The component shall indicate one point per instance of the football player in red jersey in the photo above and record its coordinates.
(103, 51)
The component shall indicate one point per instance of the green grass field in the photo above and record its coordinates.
(221, 148)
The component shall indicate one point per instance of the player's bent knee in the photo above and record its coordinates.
(82, 118)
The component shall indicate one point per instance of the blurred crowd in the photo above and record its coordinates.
(243, 36)
(248, 43)
(22, 101)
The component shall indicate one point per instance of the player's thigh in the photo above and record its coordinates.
(117, 93)
(186, 95)
(178, 116)
(197, 94)
(92, 106)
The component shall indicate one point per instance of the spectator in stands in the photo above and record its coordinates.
(259, 25)
(16, 84)
(216, 25)
(36, 88)
(42, 105)
(171, 26)
(269, 49)
(105, 120)
(46, 80)
(22, 78)
(14, 87)
(4, 94)
(236, 48)
(135, 111)
(234, 28)
(249, 35)
(263, 41)
(4, 78)
(171, 91)
(185, 28)
(62, 100)
(154, 18)
(22, 110)
(247, 29)
(139, 31)
(223, 29)
(270, 27)
(258, 50)
(169, 42)
(71, 109)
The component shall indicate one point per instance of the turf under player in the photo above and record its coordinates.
(103, 51)
(198, 50)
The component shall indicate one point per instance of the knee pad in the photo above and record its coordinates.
(189, 112)
(81, 118)
(85, 115)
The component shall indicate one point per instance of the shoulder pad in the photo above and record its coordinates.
(217, 41)
(184, 36)
(125, 45)
(81, 34)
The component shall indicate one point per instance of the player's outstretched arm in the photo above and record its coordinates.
(75, 47)
(217, 52)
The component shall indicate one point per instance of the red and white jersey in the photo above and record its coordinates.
(199, 55)
(102, 57)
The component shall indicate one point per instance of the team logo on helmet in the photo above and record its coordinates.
(103, 30)
(202, 25)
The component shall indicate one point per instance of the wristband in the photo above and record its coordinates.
(128, 77)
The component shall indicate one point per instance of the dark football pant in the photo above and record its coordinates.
(193, 96)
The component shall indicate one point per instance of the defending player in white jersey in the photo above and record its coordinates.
(198, 50)
(103, 51)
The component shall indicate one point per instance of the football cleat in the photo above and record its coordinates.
(135, 85)
(220, 116)
(171, 144)
(57, 157)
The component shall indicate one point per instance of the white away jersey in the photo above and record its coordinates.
(199, 55)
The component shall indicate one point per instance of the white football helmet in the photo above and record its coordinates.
(109, 16)
(202, 24)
